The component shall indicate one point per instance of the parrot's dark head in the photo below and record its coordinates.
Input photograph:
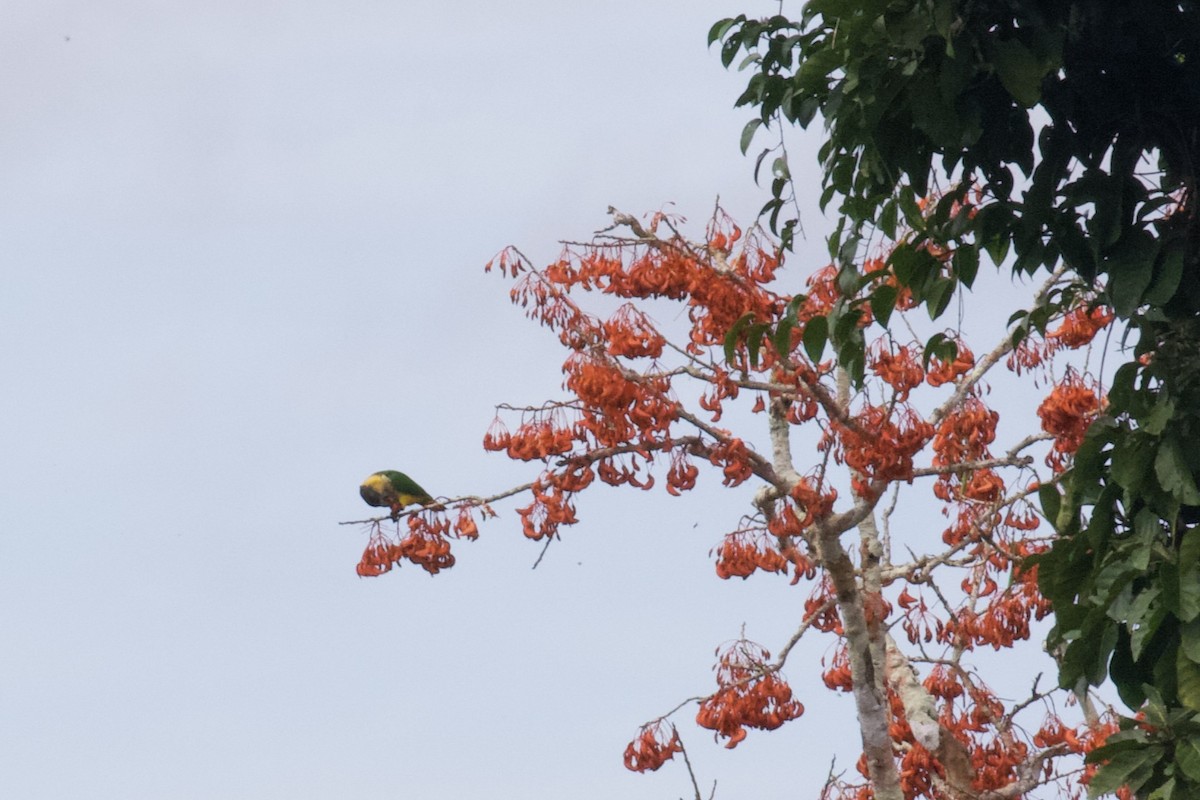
(376, 491)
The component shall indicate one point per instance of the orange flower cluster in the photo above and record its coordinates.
(803, 566)
(879, 446)
(819, 609)
(733, 457)
(942, 372)
(807, 504)
(1088, 739)
(901, 369)
(1078, 328)
(681, 477)
(1080, 325)
(823, 292)
(997, 762)
(996, 755)
(723, 386)
(1066, 414)
(838, 676)
(1028, 355)
(621, 470)
(970, 523)
(425, 545)
(550, 508)
(1006, 619)
(718, 288)
(545, 434)
(919, 624)
(550, 305)
(904, 296)
(984, 486)
(630, 333)
(380, 554)
(722, 232)
(1003, 621)
(943, 683)
(963, 435)
(652, 748)
(619, 407)
(750, 695)
(743, 552)
(1053, 733)
(918, 767)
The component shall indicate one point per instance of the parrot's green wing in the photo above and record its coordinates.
(406, 487)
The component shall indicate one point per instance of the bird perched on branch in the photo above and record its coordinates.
(394, 490)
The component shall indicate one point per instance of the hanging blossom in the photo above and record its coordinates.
(1069, 410)
(653, 747)
(750, 694)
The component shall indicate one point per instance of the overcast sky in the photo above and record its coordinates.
(242, 248)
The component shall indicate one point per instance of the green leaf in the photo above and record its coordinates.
(754, 340)
(1051, 501)
(1130, 266)
(1164, 792)
(1163, 411)
(734, 335)
(722, 27)
(1019, 70)
(1166, 277)
(1173, 473)
(807, 110)
(1187, 756)
(1190, 639)
(888, 219)
(939, 295)
(1188, 676)
(1124, 768)
(816, 334)
(1144, 618)
(966, 264)
(883, 303)
(782, 339)
(912, 211)
(1132, 459)
(748, 133)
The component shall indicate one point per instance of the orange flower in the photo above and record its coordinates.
(750, 695)
(744, 552)
(1080, 325)
(652, 748)
(1066, 414)
(941, 372)
(630, 333)
(900, 369)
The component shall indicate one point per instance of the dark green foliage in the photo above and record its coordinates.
(1039, 133)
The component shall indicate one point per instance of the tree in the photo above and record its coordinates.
(915, 92)
(910, 613)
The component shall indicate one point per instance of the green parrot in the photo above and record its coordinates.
(394, 490)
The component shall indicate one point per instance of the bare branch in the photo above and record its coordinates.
(442, 503)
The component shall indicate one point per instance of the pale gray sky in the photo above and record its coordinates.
(242, 246)
(242, 249)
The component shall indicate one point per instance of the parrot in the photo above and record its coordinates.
(391, 489)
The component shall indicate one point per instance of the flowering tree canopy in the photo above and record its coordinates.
(909, 610)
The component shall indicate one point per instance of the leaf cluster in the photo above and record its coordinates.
(910, 89)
